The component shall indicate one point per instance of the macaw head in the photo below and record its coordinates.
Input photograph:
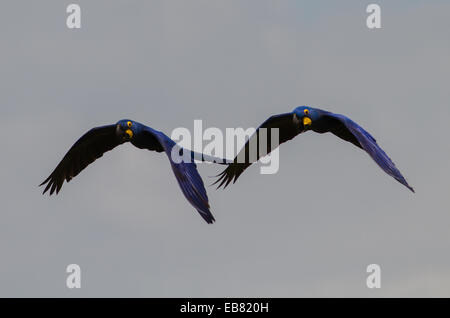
(126, 129)
(307, 116)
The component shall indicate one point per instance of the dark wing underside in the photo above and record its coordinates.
(91, 146)
(331, 123)
(288, 127)
(348, 130)
(188, 178)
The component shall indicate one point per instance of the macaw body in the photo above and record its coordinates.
(93, 144)
(302, 119)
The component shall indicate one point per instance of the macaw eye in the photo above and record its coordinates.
(306, 112)
(129, 124)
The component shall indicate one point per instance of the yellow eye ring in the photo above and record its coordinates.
(129, 124)
(306, 111)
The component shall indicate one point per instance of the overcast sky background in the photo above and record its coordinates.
(309, 230)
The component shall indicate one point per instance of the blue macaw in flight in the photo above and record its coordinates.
(93, 144)
(300, 120)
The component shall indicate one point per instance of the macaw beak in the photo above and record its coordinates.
(129, 133)
(306, 122)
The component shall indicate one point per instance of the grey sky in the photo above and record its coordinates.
(309, 230)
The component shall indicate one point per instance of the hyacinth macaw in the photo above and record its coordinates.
(93, 144)
(300, 120)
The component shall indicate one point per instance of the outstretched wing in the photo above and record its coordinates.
(186, 173)
(348, 130)
(91, 146)
(288, 127)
